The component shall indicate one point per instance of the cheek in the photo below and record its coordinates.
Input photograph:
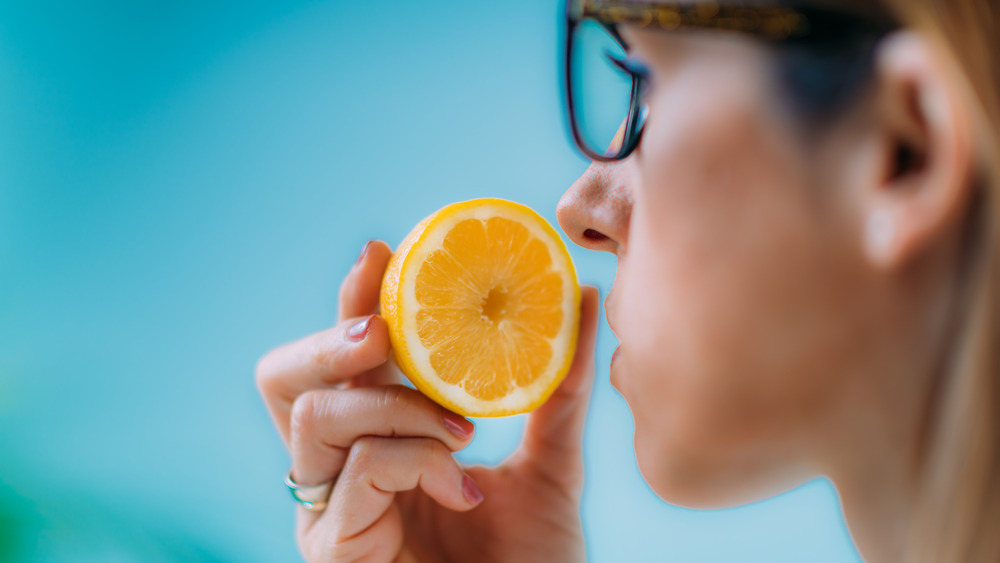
(717, 304)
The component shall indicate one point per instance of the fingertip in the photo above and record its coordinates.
(581, 370)
(358, 330)
(590, 297)
(471, 491)
(458, 426)
(374, 259)
(381, 249)
(375, 252)
(590, 302)
(359, 292)
(379, 330)
(369, 335)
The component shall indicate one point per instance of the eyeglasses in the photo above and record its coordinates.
(604, 88)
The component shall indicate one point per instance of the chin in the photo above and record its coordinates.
(674, 463)
(678, 482)
(693, 477)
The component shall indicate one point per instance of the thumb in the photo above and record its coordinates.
(553, 436)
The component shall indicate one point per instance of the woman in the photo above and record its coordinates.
(803, 207)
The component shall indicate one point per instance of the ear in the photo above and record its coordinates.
(925, 153)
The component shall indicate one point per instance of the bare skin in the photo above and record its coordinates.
(767, 338)
(767, 335)
(400, 495)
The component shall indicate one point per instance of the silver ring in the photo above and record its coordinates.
(312, 497)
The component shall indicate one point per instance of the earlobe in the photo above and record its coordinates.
(880, 235)
(927, 156)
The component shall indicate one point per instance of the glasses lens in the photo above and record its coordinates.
(601, 90)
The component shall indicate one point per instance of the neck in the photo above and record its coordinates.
(877, 470)
(884, 434)
(878, 504)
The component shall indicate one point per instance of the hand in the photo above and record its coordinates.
(399, 495)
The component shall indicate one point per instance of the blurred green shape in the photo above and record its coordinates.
(15, 524)
(81, 529)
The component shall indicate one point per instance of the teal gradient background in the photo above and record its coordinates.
(183, 185)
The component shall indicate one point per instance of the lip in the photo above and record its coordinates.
(610, 312)
(613, 372)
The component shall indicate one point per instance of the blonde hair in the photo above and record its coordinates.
(958, 516)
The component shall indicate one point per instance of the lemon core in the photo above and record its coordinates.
(495, 305)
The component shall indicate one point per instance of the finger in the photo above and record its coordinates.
(378, 468)
(359, 290)
(359, 295)
(325, 423)
(320, 361)
(382, 541)
(554, 433)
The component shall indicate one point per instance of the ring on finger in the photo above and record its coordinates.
(312, 497)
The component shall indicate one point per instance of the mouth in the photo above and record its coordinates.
(614, 356)
(614, 369)
(610, 312)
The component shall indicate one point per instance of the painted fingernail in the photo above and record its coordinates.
(359, 331)
(471, 490)
(364, 252)
(458, 425)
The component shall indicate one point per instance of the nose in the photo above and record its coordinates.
(595, 210)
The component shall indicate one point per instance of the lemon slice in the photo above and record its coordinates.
(483, 308)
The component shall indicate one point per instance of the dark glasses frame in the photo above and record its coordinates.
(772, 23)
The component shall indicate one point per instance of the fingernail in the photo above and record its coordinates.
(364, 252)
(471, 490)
(458, 425)
(359, 331)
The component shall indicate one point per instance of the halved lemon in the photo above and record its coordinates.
(483, 308)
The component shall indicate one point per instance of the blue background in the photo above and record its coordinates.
(183, 185)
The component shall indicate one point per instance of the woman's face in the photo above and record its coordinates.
(736, 299)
